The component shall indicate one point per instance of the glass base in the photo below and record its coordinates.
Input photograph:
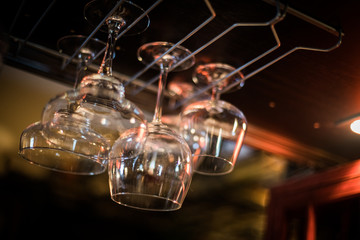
(95, 11)
(146, 202)
(210, 165)
(70, 43)
(148, 52)
(208, 73)
(61, 152)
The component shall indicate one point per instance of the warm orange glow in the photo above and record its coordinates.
(311, 223)
(355, 126)
(239, 143)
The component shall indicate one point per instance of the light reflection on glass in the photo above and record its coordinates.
(74, 145)
(218, 143)
(31, 142)
(233, 131)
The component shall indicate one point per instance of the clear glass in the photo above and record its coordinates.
(38, 150)
(214, 129)
(85, 122)
(159, 178)
(63, 141)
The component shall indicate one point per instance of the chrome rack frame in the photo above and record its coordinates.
(281, 11)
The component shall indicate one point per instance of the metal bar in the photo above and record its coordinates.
(277, 39)
(16, 16)
(307, 18)
(35, 26)
(186, 58)
(91, 34)
(340, 36)
(146, 85)
(338, 43)
(246, 65)
(39, 47)
(278, 17)
(65, 57)
(148, 66)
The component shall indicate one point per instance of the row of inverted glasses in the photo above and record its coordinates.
(78, 128)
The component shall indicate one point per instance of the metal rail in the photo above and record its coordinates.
(278, 17)
(306, 18)
(148, 66)
(296, 13)
(20, 46)
(102, 23)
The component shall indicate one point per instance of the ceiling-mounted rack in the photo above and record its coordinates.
(280, 15)
(271, 23)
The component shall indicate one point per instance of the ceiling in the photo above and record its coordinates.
(293, 106)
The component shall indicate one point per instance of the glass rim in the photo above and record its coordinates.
(177, 204)
(103, 167)
(196, 105)
(213, 173)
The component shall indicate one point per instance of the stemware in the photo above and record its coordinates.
(157, 179)
(78, 128)
(214, 129)
(38, 149)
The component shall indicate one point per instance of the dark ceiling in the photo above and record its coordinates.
(300, 97)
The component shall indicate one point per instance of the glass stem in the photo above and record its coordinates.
(164, 67)
(80, 71)
(215, 96)
(114, 23)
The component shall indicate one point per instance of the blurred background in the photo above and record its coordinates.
(291, 108)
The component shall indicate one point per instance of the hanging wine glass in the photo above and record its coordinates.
(34, 145)
(214, 129)
(79, 127)
(158, 179)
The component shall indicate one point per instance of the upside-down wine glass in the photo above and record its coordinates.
(78, 128)
(158, 179)
(38, 150)
(214, 129)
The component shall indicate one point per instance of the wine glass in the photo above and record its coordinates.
(78, 128)
(214, 129)
(38, 149)
(157, 179)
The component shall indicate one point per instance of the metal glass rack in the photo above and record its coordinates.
(281, 13)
